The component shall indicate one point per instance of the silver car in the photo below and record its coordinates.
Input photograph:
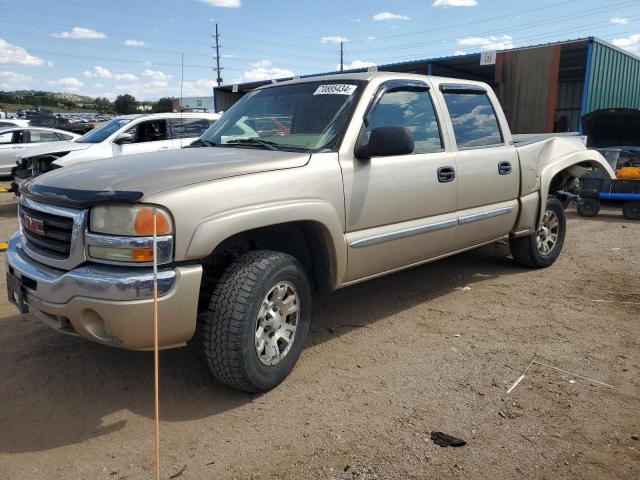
(15, 142)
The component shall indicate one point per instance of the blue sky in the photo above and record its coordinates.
(109, 48)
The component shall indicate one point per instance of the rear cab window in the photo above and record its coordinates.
(188, 127)
(473, 117)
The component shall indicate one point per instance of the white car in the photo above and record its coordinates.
(124, 135)
(13, 122)
(15, 142)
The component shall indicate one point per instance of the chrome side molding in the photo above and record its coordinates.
(429, 227)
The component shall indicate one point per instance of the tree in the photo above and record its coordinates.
(125, 104)
(165, 104)
(103, 105)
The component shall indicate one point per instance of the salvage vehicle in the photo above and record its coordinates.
(124, 135)
(15, 141)
(379, 172)
(615, 133)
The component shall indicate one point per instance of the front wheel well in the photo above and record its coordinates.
(307, 241)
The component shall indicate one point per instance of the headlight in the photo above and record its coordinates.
(133, 220)
(124, 233)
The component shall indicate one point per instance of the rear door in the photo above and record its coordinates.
(487, 166)
(11, 145)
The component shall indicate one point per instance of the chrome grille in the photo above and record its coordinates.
(55, 238)
(51, 234)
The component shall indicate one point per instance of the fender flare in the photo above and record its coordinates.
(214, 230)
(570, 162)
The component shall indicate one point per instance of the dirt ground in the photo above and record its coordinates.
(387, 362)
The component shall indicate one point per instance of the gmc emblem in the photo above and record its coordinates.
(32, 224)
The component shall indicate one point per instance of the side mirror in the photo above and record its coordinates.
(386, 142)
(124, 138)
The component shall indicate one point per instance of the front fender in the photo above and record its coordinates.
(214, 230)
(572, 163)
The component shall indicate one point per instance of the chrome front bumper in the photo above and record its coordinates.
(106, 304)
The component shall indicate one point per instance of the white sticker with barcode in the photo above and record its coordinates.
(335, 89)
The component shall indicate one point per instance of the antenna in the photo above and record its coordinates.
(181, 84)
(217, 57)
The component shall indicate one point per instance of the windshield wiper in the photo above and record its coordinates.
(255, 141)
(201, 143)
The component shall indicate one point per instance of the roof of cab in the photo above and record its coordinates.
(368, 76)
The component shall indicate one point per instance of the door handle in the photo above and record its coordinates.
(446, 174)
(504, 168)
(164, 148)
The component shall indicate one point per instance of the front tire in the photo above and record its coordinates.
(542, 248)
(257, 321)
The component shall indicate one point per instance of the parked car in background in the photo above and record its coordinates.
(379, 172)
(13, 122)
(15, 142)
(41, 117)
(124, 135)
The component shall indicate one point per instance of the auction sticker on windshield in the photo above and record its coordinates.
(335, 89)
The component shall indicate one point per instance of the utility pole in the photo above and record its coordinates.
(217, 57)
(341, 56)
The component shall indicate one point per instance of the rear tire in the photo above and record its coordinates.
(542, 248)
(631, 210)
(257, 321)
(588, 207)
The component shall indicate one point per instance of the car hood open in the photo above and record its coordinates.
(129, 178)
(612, 127)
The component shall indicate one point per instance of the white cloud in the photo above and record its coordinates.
(146, 63)
(630, 43)
(69, 84)
(619, 21)
(222, 3)
(357, 64)
(333, 39)
(80, 32)
(102, 72)
(262, 63)
(492, 42)
(98, 85)
(370, 38)
(389, 16)
(454, 3)
(259, 73)
(15, 55)
(50, 63)
(13, 80)
(459, 52)
(134, 43)
(199, 88)
(156, 75)
(358, 20)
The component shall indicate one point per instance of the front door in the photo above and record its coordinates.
(148, 136)
(400, 210)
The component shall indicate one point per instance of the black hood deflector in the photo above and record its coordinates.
(69, 197)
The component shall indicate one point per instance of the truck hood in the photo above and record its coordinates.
(612, 127)
(129, 178)
(54, 147)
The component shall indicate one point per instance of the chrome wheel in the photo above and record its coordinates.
(277, 322)
(547, 235)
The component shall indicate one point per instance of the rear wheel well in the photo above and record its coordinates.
(305, 240)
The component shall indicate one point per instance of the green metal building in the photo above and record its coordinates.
(543, 88)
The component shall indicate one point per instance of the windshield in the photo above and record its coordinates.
(308, 116)
(104, 131)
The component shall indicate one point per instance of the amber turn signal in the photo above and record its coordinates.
(143, 224)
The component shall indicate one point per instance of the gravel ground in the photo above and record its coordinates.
(387, 362)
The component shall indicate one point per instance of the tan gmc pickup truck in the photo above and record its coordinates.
(362, 175)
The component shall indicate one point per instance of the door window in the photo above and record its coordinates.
(40, 136)
(412, 110)
(474, 120)
(7, 138)
(150, 131)
(62, 136)
(188, 127)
